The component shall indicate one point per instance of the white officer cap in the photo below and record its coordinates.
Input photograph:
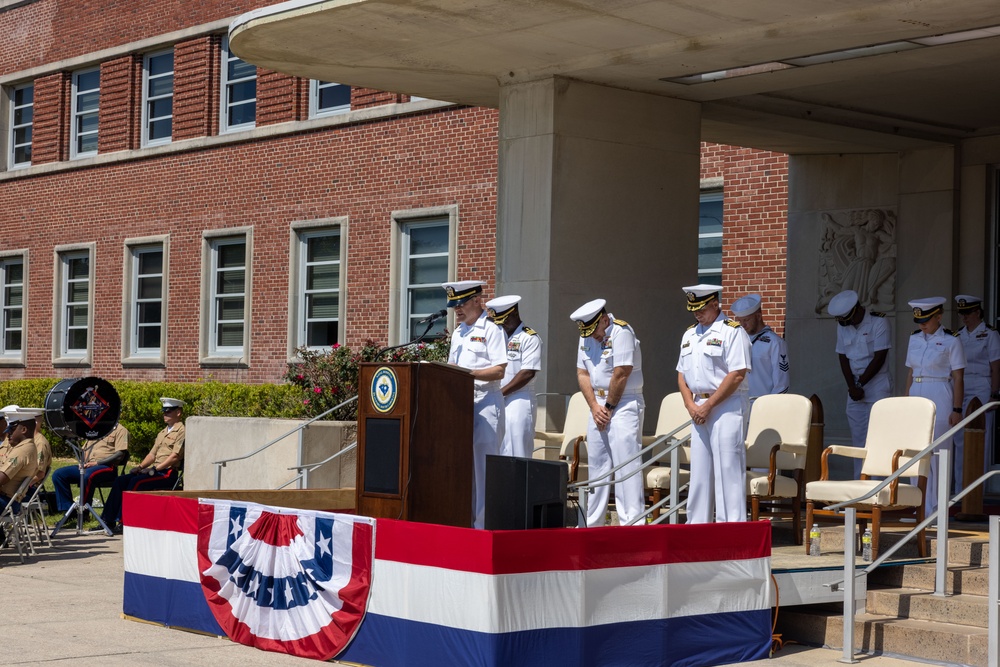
(22, 414)
(171, 403)
(588, 315)
(968, 303)
(746, 305)
(500, 308)
(699, 296)
(842, 305)
(461, 291)
(924, 309)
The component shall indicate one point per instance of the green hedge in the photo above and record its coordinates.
(141, 413)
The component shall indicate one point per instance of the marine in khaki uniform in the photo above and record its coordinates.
(19, 458)
(44, 451)
(101, 458)
(158, 470)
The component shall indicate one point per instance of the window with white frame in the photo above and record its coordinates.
(424, 264)
(326, 98)
(239, 92)
(146, 330)
(228, 283)
(319, 288)
(157, 97)
(12, 305)
(86, 99)
(710, 238)
(75, 298)
(22, 116)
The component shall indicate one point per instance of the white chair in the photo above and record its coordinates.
(899, 428)
(777, 440)
(573, 445)
(657, 475)
(11, 519)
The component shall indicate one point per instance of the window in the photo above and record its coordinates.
(710, 238)
(239, 92)
(86, 98)
(425, 266)
(147, 300)
(319, 277)
(22, 115)
(326, 99)
(74, 311)
(158, 98)
(228, 296)
(12, 306)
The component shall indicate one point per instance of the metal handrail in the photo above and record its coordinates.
(219, 465)
(307, 468)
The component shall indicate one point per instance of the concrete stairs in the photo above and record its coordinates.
(903, 616)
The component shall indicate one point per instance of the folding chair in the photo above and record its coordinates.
(12, 520)
(34, 519)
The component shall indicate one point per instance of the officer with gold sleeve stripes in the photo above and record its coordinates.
(713, 364)
(609, 372)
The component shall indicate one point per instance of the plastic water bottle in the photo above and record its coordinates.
(814, 546)
(866, 546)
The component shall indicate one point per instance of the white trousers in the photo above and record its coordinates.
(941, 394)
(609, 448)
(719, 463)
(487, 433)
(976, 386)
(519, 435)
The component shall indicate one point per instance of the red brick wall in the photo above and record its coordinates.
(277, 97)
(196, 87)
(120, 109)
(50, 131)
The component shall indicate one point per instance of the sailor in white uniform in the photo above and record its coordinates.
(478, 345)
(524, 360)
(982, 372)
(936, 362)
(609, 372)
(863, 343)
(768, 350)
(713, 364)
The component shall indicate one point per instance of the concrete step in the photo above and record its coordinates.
(925, 640)
(832, 541)
(968, 579)
(917, 604)
(965, 547)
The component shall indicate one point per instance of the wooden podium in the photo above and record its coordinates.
(415, 443)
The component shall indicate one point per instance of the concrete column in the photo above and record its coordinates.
(598, 197)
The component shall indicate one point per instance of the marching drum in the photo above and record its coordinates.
(86, 408)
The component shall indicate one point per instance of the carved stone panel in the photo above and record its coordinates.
(858, 252)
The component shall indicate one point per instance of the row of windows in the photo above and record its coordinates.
(425, 262)
(238, 108)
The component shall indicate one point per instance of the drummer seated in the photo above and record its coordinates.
(101, 459)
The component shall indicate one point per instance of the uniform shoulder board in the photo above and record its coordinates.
(875, 313)
(621, 323)
(530, 331)
(991, 328)
(692, 326)
(951, 333)
(732, 323)
(915, 332)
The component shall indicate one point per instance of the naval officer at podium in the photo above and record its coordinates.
(478, 345)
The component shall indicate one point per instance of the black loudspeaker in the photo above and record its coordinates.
(525, 493)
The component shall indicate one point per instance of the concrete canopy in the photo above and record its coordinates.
(463, 51)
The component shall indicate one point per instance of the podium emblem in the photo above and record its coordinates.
(384, 389)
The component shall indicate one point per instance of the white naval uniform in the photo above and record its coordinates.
(481, 345)
(623, 437)
(769, 359)
(931, 359)
(524, 352)
(982, 346)
(718, 451)
(859, 344)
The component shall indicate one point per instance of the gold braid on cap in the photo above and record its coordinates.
(588, 327)
(500, 318)
(965, 307)
(454, 296)
(919, 313)
(696, 303)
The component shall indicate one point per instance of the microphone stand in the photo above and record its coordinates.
(78, 504)
(415, 341)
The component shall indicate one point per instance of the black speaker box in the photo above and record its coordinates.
(524, 493)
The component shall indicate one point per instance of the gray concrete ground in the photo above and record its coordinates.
(64, 605)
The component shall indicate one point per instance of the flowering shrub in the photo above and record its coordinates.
(328, 378)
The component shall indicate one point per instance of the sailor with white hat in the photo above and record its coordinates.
(769, 352)
(863, 342)
(524, 360)
(609, 372)
(714, 361)
(936, 362)
(982, 371)
(19, 458)
(478, 345)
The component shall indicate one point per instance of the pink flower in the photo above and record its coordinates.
(305, 402)
(336, 345)
(300, 377)
(318, 390)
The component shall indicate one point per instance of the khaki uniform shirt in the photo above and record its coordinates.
(18, 462)
(168, 443)
(116, 441)
(44, 451)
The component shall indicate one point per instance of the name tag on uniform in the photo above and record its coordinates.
(685, 345)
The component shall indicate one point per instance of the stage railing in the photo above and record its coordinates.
(219, 465)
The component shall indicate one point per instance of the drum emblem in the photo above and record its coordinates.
(90, 407)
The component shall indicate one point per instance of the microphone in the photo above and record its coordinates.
(436, 316)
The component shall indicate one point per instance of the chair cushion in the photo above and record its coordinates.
(833, 491)
(784, 487)
(658, 477)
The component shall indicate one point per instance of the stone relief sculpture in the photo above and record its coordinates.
(858, 252)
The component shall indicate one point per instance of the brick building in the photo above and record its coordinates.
(174, 213)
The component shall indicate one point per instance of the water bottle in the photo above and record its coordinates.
(866, 546)
(814, 546)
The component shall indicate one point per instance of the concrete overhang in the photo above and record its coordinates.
(463, 51)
